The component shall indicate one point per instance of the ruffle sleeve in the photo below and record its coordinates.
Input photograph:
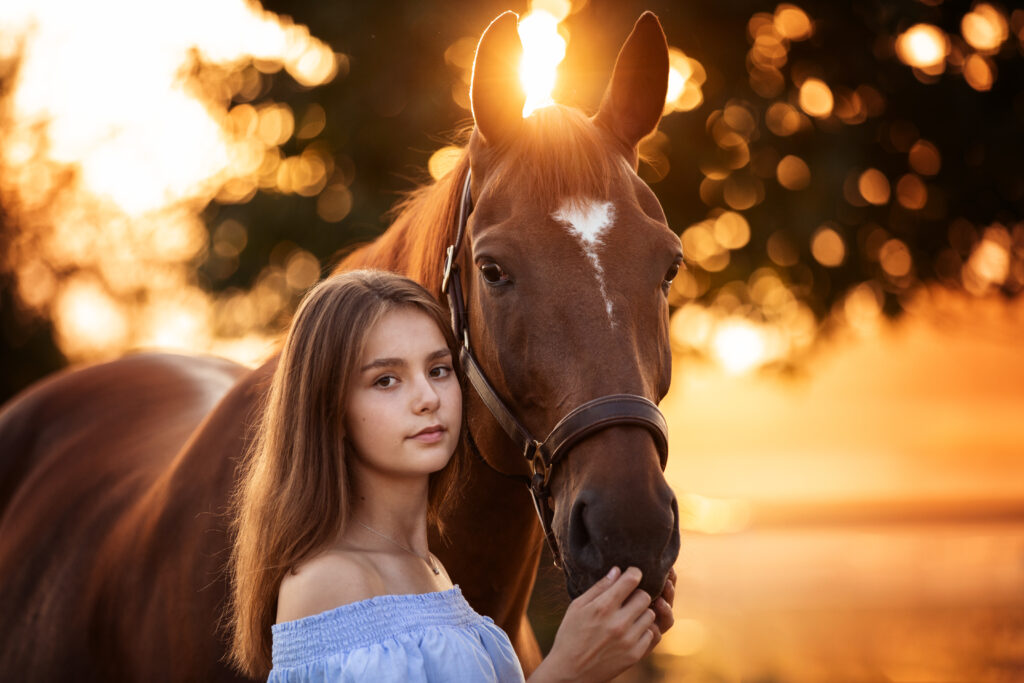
(419, 637)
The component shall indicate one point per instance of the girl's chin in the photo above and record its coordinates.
(429, 461)
(415, 460)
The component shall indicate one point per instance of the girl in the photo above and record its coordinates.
(333, 579)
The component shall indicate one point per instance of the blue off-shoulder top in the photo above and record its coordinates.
(416, 637)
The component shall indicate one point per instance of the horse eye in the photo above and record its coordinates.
(493, 273)
(673, 270)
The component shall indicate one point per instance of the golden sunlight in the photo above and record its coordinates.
(143, 129)
(87, 319)
(686, 637)
(543, 51)
(738, 345)
(707, 515)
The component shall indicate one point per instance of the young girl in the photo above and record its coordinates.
(333, 579)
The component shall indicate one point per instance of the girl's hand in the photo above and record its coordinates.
(663, 608)
(605, 631)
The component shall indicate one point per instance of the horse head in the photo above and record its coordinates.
(566, 263)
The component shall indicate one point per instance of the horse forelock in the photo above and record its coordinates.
(559, 153)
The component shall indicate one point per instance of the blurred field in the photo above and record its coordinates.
(885, 603)
(862, 521)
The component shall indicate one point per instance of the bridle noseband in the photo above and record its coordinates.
(593, 416)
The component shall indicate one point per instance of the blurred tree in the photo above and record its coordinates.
(818, 154)
(946, 155)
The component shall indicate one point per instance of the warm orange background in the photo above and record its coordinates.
(862, 519)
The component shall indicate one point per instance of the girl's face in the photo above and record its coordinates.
(404, 406)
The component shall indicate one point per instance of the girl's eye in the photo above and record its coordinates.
(386, 382)
(440, 371)
(493, 273)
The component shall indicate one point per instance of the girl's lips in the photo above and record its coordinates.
(430, 434)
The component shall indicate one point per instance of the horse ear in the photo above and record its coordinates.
(496, 95)
(635, 97)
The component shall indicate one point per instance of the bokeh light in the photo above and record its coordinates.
(924, 158)
(979, 73)
(731, 230)
(895, 259)
(924, 46)
(792, 22)
(873, 186)
(685, 78)
(990, 261)
(827, 247)
(783, 119)
(911, 192)
(985, 28)
(816, 98)
(793, 173)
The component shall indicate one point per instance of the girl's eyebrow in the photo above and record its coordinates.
(400, 362)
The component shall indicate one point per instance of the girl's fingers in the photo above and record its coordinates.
(669, 593)
(655, 639)
(634, 606)
(663, 614)
(599, 587)
(613, 596)
(643, 623)
(643, 645)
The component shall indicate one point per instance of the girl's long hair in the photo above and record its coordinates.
(292, 497)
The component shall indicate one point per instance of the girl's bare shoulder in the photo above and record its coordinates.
(328, 580)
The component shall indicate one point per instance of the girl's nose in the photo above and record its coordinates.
(427, 399)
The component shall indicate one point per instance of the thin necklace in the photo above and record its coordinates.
(428, 559)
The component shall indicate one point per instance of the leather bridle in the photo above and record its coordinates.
(593, 416)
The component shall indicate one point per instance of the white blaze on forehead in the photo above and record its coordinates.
(588, 221)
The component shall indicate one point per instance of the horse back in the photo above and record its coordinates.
(85, 458)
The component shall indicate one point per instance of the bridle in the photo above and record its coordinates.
(583, 421)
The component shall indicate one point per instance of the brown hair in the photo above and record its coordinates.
(293, 493)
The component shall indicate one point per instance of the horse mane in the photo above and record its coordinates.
(558, 153)
(424, 226)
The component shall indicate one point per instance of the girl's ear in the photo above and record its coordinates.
(496, 95)
(635, 97)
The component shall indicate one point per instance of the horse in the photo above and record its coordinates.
(115, 478)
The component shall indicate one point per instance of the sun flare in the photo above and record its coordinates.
(543, 51)
(738, 346)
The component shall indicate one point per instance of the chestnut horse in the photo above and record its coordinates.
(114, 479)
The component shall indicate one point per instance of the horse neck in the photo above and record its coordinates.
(415, 243)
(496, 567)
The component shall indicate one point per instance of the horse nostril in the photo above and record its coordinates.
(579, 535)
(586, 554)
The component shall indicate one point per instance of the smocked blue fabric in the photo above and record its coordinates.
(417, 637)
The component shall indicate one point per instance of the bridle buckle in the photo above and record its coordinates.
(541, 469)
(448, 260)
